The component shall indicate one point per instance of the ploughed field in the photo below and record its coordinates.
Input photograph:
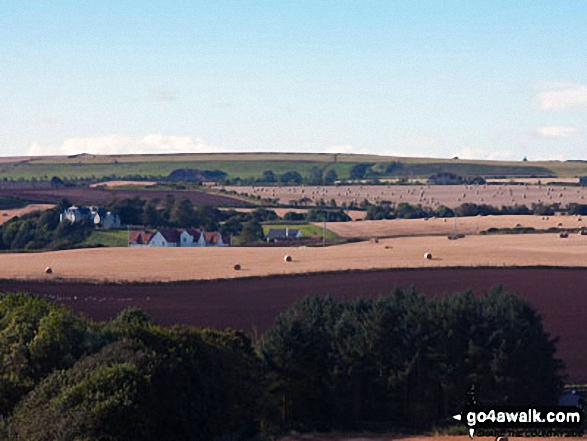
(102, 196)
(172, 264)
(559, 294)
(447, 226)
(427, 195)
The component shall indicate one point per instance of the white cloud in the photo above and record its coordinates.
(557, 132)
(119, 145)
(563, 95)
(468, 152)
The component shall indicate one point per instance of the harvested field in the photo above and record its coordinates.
(103, 196)
(445, 226)
(6, 215)
(427, 195)
(170, 264)
(560, 295)
(114, 184)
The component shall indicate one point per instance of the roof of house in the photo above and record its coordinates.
(282, 233)
(170, 235)
(139, 237)
(194, 232)
(212, 237)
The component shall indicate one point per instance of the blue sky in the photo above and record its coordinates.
(491, 80)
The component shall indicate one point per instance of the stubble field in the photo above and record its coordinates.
(173, 264)
(446, 226)
(429, 196)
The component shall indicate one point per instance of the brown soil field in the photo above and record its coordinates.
(6, 215)
(427, 195)
(559, 294)
(103, 196)
(173, 264)
(446, 226)
(114, 184)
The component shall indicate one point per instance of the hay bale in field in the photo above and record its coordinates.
(560, 224)
(501, 438)
(237, 267)
(374, 240)
(287, 258)
(444, 220)
(428, 256)
(48, 270)
(564, 235)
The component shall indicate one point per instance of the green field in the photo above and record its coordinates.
(308, 230)
(107, 238)
(252, 165)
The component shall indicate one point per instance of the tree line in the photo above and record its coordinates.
(404, 361)
(405, 210)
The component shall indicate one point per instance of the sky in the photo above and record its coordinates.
(475, 79)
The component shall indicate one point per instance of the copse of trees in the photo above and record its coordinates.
(407, 360)
(63, 377)
(42, 230)
(404, 360)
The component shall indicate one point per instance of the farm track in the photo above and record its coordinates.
(103, 196)
(559, 294)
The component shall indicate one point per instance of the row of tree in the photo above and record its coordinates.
(404, 210)
(403, 360)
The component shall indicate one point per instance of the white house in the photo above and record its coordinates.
(192, 238)
(98, 216)
(165, 238)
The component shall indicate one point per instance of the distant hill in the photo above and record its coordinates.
(252, 165)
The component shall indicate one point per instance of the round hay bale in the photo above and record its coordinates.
(564, 235)
(237, 266)
(287, 258)
(444, 220)
(48, 270)
(428, 256)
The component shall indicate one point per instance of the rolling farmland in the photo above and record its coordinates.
(445, 226)
(559, 295)
(174, 264)
(426, 195)
(252, 165)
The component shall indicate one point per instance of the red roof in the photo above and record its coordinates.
(139, 237)
(212, 238)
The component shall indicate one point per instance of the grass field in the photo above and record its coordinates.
(247, 165)
(107, 238)
(308, 230)
(445, 226)
(160, 264)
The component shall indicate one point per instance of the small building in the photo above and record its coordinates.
(173, 237)
(98, 216)
(213, 239)
(277, 235)
(139, 239)
(445, 179)
(165, 238)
